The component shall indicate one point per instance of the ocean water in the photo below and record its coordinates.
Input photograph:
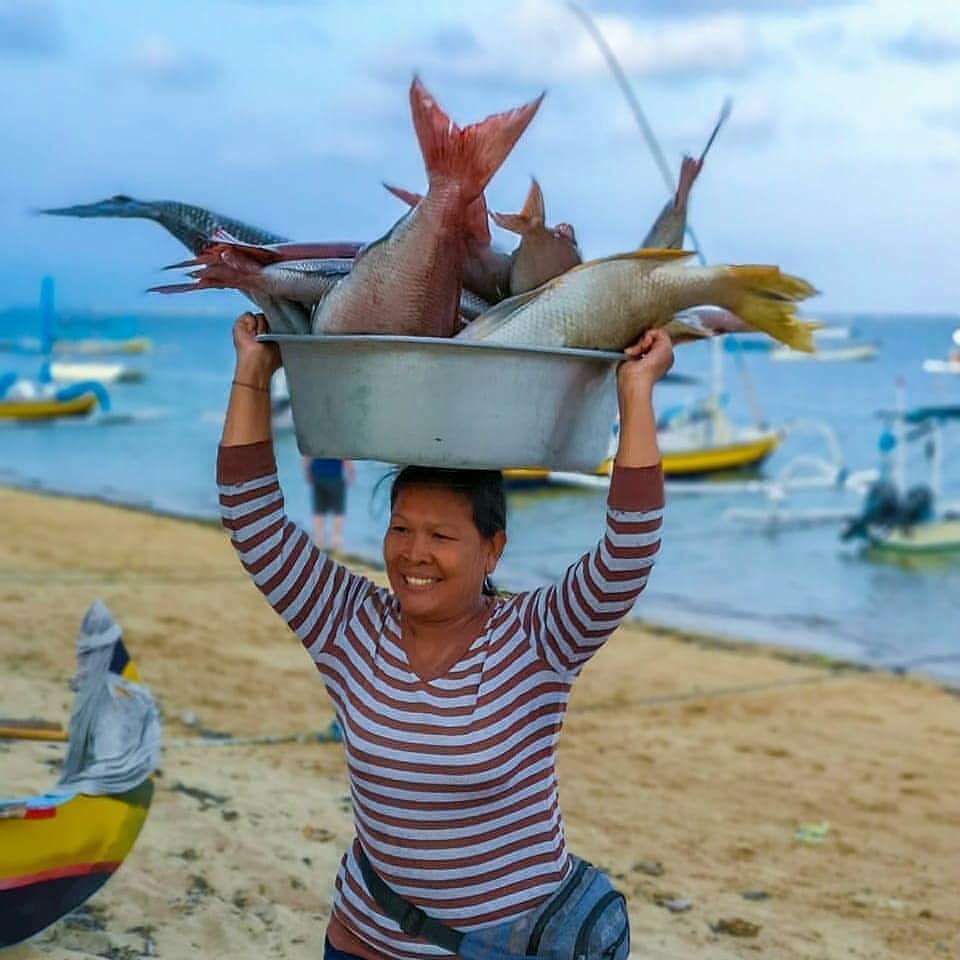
(793, 585)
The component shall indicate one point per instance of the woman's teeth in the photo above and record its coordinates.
(418, 581)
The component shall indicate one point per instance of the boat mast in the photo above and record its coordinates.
(899, 452)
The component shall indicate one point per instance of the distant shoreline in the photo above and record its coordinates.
(704, 639)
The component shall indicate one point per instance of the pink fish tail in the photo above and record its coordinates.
(470, 155)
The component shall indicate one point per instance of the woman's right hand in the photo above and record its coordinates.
(256, 362)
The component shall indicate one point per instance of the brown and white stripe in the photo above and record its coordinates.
(453, 782)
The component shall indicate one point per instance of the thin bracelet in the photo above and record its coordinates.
(251, 386)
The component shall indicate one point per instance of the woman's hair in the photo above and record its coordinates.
(482, 488)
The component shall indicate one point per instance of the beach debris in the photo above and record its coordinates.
(189, 718)
(206, 798)
(30, 728)
(610, 303)
(653, 868)
(812, 833)
(671, 902)
(736, 927)
(417, 268)
(318, 834)
(754, 894)
(544, 252)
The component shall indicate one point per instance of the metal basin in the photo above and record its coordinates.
(445, 403)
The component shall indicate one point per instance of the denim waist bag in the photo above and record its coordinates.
(584, 919)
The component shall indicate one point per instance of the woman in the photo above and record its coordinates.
(450, 699)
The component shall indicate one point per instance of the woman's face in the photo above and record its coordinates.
(435, 557)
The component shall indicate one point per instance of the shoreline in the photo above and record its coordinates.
(698, 637)
(724, 785)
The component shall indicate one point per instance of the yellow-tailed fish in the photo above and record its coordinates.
(608, 304)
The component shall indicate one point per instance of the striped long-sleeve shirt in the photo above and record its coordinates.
(452, 780)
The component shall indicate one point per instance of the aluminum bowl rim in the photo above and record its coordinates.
(447, 342)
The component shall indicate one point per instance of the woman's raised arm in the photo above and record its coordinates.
(248, 410)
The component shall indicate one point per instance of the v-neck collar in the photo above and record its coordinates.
(455, 655)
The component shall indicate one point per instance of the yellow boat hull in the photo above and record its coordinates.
(56, 852)
(734, 456)
(46, 409)
(678, 463)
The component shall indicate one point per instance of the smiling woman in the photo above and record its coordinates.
(450, 698)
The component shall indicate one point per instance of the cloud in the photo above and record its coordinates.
(700, 8)
(543, 42)
(946, 119)
(156, 62)
(30, 28)
(926, 43)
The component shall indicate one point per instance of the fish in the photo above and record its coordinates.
(668, 229)
(196, 228)
(607, 304)
(409, 281)
(486, 271)
(193, 226)
(301, 272)
(544, 252)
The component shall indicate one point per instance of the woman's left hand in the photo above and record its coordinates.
(649, 359)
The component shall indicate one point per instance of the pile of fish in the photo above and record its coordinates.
(437, 274)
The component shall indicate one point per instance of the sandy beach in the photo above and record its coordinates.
(695, 771)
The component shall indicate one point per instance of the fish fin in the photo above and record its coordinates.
(492, 319)
(686, 327)
(472, 154)
(410, 198)
(224, 236)
(476, 224)
(176, 288)
(645, 253)
(765, 299)
(532, 214)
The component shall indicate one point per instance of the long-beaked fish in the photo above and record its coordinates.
(608, 304)
(193, 226)
(196, 227)
(668, 229)
(409, 281)
(486, 271)
(544, 252)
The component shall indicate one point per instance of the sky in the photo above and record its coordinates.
(840, 161)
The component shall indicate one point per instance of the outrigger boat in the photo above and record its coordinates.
(27, 401)
(900, 523)
(58, 849)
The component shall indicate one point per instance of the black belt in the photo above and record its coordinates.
(413, 921)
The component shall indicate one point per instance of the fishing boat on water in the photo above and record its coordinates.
(950, 364)
(62, 371)
(853, 352)
(900, 522)
(57, 849)
(30, 401)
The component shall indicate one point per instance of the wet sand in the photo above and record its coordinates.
(687, 768)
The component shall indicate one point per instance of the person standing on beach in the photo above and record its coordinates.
(328, 480)
(451, 698)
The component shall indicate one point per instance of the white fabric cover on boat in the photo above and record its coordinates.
(114, 738)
